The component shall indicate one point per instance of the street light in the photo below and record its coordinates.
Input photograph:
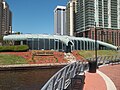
(95, 46)
(96, 28)
(93, 63)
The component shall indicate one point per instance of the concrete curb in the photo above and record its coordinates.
(31, 66)
(109, 83)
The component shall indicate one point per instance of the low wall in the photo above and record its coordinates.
(31, 66)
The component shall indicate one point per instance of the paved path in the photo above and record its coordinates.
(106, 78)
(108, 82)
(113, 72)
(93, 81)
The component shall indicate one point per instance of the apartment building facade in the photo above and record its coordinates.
(106, 15)
(70, 17)
(5, 18)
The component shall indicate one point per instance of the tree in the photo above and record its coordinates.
(1, 40)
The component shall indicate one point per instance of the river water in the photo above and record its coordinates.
(25, 79)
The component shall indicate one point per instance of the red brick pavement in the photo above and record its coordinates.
(113, 72)
(94, 81)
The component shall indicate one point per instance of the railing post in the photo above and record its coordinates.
(64, 76)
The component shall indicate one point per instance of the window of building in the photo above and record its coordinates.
(92, 34)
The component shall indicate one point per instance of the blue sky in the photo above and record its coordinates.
(34, 16)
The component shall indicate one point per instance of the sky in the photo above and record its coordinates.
(34, 16)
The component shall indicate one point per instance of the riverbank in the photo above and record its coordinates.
(26, 60)
(31, 66)
(43, 59)
(29, 57)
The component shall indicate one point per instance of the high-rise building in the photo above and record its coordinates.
(1, 11)
(10, 22)
(102, 14)
(60, 20)
(70, 17)
(5, 18)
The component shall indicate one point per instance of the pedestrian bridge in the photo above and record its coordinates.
(65, 77)
(62, 79)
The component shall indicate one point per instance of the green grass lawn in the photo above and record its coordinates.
(91, 54)
(11, 59)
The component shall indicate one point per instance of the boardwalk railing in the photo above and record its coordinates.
(101, 60)
(62, 79)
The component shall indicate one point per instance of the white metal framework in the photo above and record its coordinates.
(57, 42)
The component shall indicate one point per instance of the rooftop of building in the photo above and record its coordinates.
(60, 7)
(64, 38)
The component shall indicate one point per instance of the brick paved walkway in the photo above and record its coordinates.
(94, 81)
(113, 72)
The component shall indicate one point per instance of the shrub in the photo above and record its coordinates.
(21, 48)
(18, 48)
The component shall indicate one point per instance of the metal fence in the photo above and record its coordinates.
(101, 60)
(62, 79)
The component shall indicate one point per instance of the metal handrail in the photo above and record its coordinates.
(62, 79)
(106, 60)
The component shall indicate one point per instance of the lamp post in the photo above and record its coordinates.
(95, 46)
(93, 63)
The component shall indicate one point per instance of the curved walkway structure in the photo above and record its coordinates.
(62, 79)
(106, 83)
(113, 72)
(93, 81)
(57, 42)
(110, 85)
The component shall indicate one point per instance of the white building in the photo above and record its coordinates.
(70, 17)
(60, 20)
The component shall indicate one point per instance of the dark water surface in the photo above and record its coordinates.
(25, 79)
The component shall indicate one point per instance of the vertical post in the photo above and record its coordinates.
(38, 43)
(32, 44)
(95, 45)
(93, 63)
(21, 42)
(49, 43)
